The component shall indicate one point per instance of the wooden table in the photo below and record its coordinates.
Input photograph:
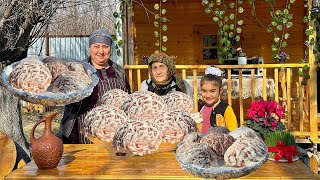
(92, 162)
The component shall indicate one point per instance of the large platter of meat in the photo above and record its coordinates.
(221, 154)
(137, 124)
(50, 81)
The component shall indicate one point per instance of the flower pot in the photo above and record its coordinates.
(242, 60)
(282, 60)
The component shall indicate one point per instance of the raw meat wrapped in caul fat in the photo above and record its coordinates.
(177, 100)
(56, 66)
(218, 129)
(197, 154)
(193, 137)
(103, 122)
(218, 142)
(245, 132)
(71, 81)
(173, 125)
(31, 76)
(245, 152)
(186, 122)
(138, 137)
(143, 104)
(114, 97)
(75, 66)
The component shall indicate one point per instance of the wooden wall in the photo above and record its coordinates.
(184, 15)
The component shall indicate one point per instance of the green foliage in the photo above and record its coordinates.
(280, 22)
(160, 20)
(271, 138)
(225, 15)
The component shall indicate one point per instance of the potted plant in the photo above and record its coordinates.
(265, 117)
(282, 57)
(281, 146)
(242, 58)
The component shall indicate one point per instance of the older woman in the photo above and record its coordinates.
(163, 76)
(111, 76)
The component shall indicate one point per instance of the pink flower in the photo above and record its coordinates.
(265, 122)
(251, 113)
(261, 113)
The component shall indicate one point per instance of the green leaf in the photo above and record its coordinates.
(289, 16)
(118, 52)
(207, 11)
(276, 39)
(164, 48)
(226, 19)
(286, 36)
(292, 1)
(164, 1)
(215, 19)
(289, 24)
(278, 12)
(156, 17)
(164, 27)
(163, 11)
(285, 11)
(305, 67)
(240, 10)
(230, 34)
(156, 24)
(305, 19)
(231, 26)
(269, 29)
(232, 5)
(114, 37)
(239, 30)
(274, 23)
(274, 48)
(157, 43)
(156, 51)
(156, 33)
(164, 19)
(120, 42)
(284, 44)
(164, 38)
(231, 16)
(279, 28)
(115, 14)
(240, 22)
(307, 76)
(204, 2)
(237, 38)
(156, 6)
(218, 2)
(211, 4)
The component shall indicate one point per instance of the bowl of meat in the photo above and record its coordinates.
(221, 154)
(50, 81)
(136, 124)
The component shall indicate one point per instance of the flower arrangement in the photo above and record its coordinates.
(263, 115)
(240, 52)
(282, 57)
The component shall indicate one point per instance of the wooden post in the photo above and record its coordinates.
(313, 89)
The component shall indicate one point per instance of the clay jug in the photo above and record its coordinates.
(46, 150)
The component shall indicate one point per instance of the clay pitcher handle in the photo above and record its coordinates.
(48, 116)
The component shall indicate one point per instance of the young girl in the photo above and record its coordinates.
(215, 112)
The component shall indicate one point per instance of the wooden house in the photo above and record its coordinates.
(187, 28)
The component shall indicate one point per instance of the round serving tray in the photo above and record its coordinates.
(221, 172)
(115, 154)
(50, 98)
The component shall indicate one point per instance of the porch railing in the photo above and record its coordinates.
(288, 91)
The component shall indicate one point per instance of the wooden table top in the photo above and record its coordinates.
(88, 161)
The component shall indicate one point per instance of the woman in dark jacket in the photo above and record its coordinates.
(111, 76)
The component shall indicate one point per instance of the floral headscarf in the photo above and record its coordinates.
(169, 62)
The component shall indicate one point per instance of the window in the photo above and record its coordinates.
(209, 47)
